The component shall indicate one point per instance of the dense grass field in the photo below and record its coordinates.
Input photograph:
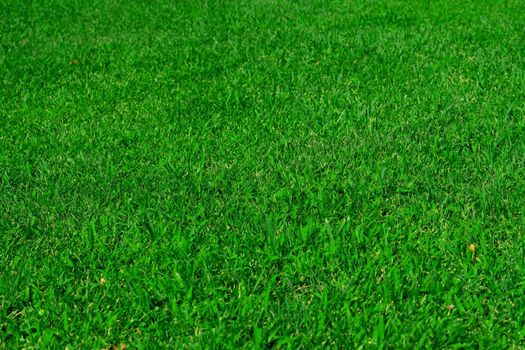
(262, 174)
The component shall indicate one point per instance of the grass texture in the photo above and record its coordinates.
(262, 174)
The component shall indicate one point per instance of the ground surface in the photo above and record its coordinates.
(262, 173)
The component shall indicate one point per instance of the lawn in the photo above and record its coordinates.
(262, 174)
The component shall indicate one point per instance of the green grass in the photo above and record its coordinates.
(262, 174)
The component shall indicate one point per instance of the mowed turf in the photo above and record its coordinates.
(273, 174)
